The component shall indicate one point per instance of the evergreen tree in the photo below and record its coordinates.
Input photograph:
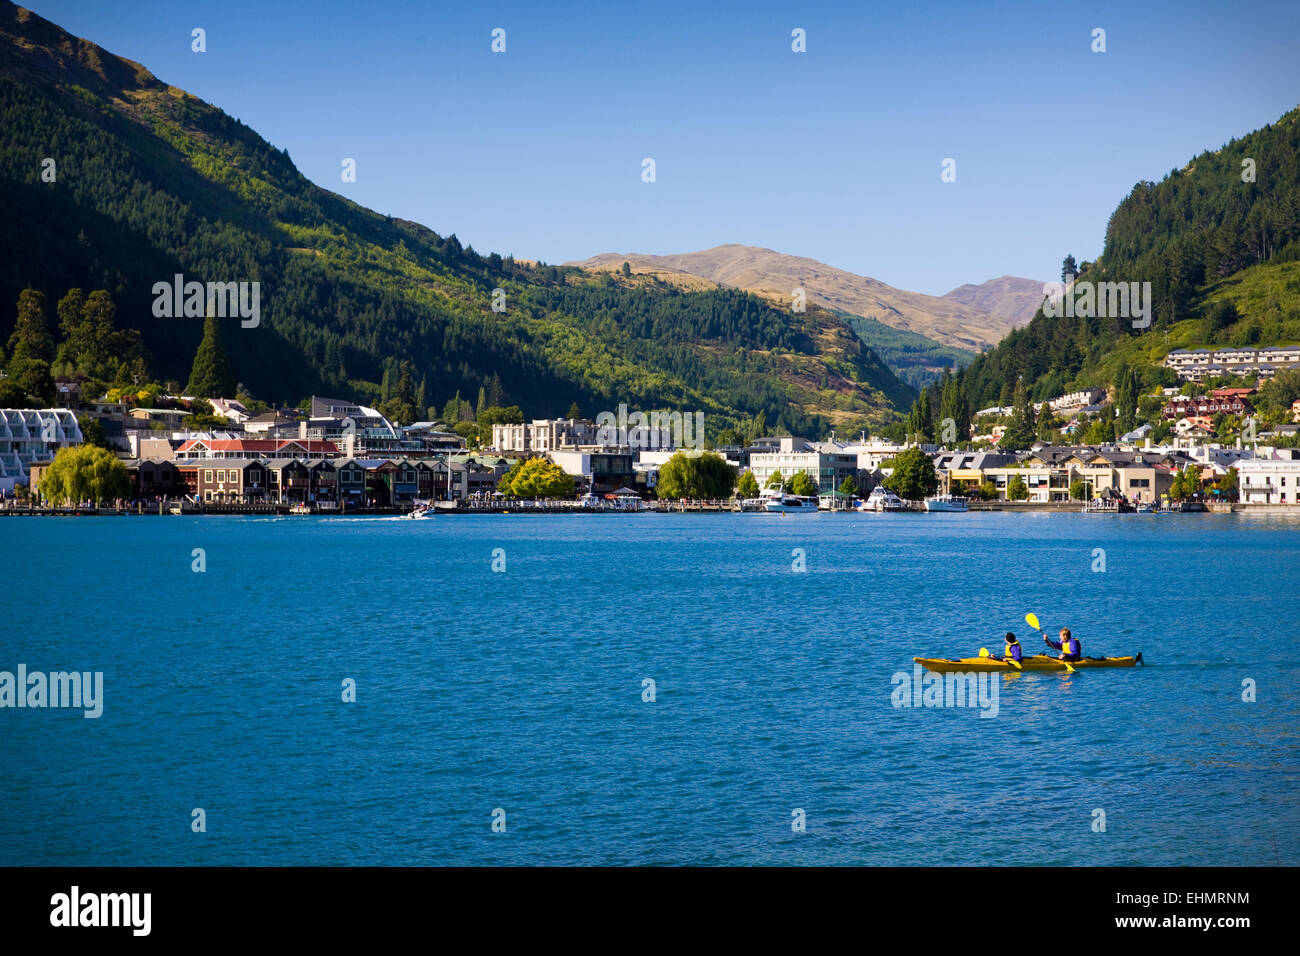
(1020, 432)
(1126, 397)
(31, 337)
(212, 375)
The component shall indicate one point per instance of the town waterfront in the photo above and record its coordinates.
(522, 689)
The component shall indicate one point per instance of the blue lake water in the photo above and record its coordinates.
(522, 690)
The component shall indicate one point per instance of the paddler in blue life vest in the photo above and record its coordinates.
(1069, 646)
(1013, 650)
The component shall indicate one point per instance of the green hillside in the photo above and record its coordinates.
(916, 359)
(152, 182)
(1221, 251)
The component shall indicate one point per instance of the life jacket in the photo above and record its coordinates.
(1013, 651)
(1070, 646)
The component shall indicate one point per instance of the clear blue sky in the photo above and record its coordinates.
(834, 153)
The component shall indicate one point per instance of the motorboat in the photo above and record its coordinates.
(882, 499)
(945, 503)
(789, 504)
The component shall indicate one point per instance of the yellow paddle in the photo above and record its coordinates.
(984, 652)
(1032, 620)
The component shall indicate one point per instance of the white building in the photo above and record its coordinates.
(29, 435)
(1269, 481)
(827, 463)
(543, 435)
(1079, 399)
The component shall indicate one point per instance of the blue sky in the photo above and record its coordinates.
(834, 153)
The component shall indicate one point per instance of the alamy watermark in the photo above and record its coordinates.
(956, 689)
(650, 430)
(1087, 300)
(75, 689)
(181, 299)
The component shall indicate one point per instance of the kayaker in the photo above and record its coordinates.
(1069, 646)
(1013, 650)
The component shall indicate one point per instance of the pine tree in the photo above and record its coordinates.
(1020, 432)
(212, 375)
(31, 338)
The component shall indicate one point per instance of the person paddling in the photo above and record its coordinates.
(1012, 651)
(1069, 646)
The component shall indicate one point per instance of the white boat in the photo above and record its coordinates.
(421, 510)
(300, 509)
(882, 499)
(945, 503)
(789, 504)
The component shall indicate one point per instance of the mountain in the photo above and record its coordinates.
(151, 182)
(942, 319)
(1218, 240)
(1013, 300)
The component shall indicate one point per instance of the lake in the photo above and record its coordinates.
(521, 695)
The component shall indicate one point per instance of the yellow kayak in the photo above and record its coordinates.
(1038, 662)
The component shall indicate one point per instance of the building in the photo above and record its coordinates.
(543, 434)
(600, 471)
(1079, 399)
(827, 463)
(1199, 364)
(1208, 406)
(256, 448)
(1194, 427)
(231, 410)
(224, 481)
(30, 435)
(166, 419)
(1269, 481)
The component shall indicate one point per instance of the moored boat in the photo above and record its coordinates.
(882, 499)
(789, 504)
(1036, 662)
(945, 503)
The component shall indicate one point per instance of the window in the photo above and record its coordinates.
(207, 474)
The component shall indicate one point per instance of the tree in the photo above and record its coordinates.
(848, 486)
(536, 478)
(1227, 485)
(1020, 432)
(1017, 490)
(202, 416)
(775, 482)
(30, 376)
(574, 411)
(84, 473)
(92, 432)
(919, 421)
(697, 476)
(1078, 488)
(913, 476)
(400, 412)
(1046, 422)
(1100, 432)
(1126, 397)
(953, 408)
(1186, 484)
(747, 486)
(1068, 268)
(31, 336)
(212, 375)
(803, 484)
(626, 269)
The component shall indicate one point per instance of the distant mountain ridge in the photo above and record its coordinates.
(953, 319)
(1009, 298)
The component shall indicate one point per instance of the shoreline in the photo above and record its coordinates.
(283, 511)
